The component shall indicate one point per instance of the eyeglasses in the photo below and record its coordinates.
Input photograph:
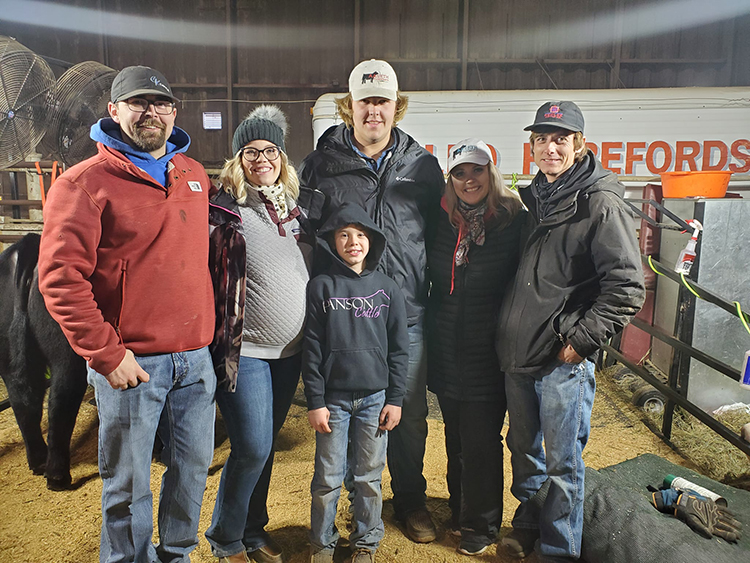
(251, 155)
(140, 105)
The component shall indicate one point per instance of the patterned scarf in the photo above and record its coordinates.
(275, 195)
(280, 209)
(473, 217)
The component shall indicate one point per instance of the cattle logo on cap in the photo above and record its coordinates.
(159, 83)
(554, 112)
(467, 148)
(374, 77)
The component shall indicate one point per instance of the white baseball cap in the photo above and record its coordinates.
(472, 150)
(373, 79)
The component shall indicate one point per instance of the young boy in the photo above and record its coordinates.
(354, 363)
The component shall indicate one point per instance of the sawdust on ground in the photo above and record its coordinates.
(40, 525)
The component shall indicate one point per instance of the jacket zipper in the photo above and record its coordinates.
(453, 263)
(524, 279)
(123, 275)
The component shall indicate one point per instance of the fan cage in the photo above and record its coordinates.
(83, 92)
(26, 85)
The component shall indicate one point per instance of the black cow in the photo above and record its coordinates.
(30, 341)
(370, 76)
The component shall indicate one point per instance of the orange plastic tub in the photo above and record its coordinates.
(703, 183)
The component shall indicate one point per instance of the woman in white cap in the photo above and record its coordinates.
(473, 255)
(260, 257)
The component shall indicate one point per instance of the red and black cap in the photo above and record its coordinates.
(565, 115)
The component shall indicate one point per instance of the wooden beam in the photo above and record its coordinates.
(464, 44)
(21, 202)
(230, 11)
(357, 32)
(726, 72)
(614, 73)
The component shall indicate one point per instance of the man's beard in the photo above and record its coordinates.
(149, 140)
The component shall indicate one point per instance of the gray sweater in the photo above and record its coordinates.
(276, 281)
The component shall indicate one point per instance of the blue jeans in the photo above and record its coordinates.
(553, 404)
(178, 400)
(284, 382)
(406, 442)
(252, 415)
(355, 416)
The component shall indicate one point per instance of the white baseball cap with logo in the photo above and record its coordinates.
(373, 79)
(471, 150)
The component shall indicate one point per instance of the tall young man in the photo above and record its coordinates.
(369, 161)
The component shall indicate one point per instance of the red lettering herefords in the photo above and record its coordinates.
(641, 158)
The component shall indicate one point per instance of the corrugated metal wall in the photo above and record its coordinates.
(291, 52)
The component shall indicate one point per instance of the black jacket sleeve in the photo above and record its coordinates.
(311, 200)
(398, 349)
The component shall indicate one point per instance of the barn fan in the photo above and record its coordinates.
(80, 100)
(26, 82)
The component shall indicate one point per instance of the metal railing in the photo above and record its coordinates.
(670, 390)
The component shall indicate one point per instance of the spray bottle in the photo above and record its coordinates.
(745, 374)
(687, 256)
(683, 485)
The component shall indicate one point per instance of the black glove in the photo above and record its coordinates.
(707, 518)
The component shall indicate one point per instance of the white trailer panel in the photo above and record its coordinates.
(636, 133)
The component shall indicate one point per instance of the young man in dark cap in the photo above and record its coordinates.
(578, 284)
(123, 267)
(369, 161)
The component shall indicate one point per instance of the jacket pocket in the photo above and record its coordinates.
(365, 369)
(544, 340)
(567, 320)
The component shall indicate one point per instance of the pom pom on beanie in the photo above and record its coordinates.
(264, 122)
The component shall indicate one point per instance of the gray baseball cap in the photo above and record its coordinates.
(139, 80)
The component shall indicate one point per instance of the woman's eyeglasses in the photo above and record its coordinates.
(251, 154)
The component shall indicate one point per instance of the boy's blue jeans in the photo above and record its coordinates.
(178, 399)
(554, 405)
(354, 415)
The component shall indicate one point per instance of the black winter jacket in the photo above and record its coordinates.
(580, 279)
(402, 198)
(463, 307)
(355, 335)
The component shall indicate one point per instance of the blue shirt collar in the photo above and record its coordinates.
(371, 162)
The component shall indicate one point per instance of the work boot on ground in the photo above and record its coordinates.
(269, 553)
(240, 557)
(419, 526)
(363, 556)
(519, 542)
(322, 556)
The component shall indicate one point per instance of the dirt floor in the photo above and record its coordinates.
(40, 525)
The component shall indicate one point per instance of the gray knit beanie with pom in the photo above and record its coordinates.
(264, 122)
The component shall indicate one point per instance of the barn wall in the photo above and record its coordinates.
(291, 52)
